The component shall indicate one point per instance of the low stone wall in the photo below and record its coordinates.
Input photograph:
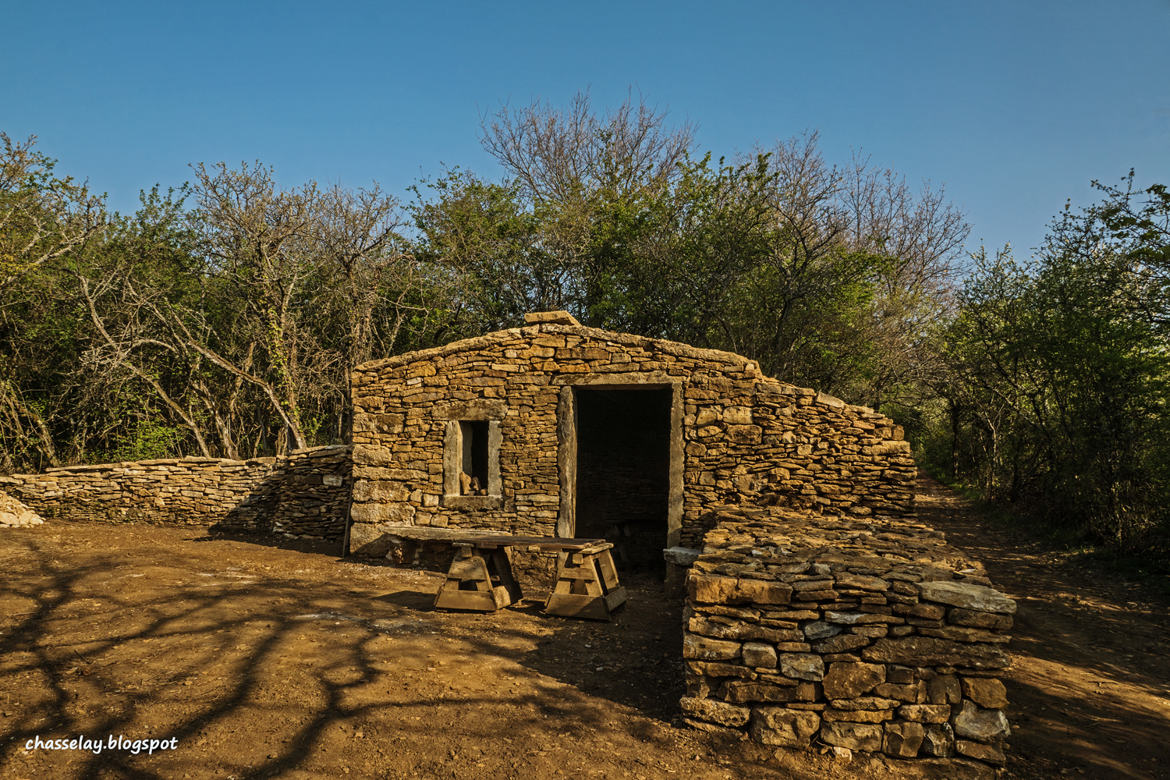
(868, 634)
(304, 494)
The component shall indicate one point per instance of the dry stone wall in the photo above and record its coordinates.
(742, 437)
(870, 635)
(304, 494)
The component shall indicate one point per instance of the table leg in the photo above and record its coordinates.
(587, 586)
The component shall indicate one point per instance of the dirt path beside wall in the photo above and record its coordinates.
(1090, 680)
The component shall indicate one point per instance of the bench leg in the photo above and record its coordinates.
(500, 568)
(587, 587)
(477, 584)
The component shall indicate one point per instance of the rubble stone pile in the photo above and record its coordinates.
(14, 514)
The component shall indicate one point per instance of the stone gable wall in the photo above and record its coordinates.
(304, 494)
(867, 635)
(745, 438)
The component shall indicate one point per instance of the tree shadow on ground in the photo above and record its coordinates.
(258, 670)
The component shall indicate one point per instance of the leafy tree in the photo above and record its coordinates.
(43, 220)
(1059, 371)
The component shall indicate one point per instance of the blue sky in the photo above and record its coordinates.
(1013, 106)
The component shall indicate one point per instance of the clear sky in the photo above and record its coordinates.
(1013, 106)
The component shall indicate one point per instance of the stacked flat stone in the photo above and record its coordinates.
(872, 635)
(313, 500)
(303, 494)
(746, 438)
(14, 514)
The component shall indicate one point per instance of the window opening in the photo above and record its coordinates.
(473, 479)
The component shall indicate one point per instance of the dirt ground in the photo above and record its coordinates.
(262, 661)
(1090, 680)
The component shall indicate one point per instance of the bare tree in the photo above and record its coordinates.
(561, 155)
(289, 290)
(43, 218)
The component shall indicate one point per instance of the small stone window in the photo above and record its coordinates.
(473, 476)
(471, 464)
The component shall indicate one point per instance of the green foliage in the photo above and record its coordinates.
(1059, 373)
(146, 440)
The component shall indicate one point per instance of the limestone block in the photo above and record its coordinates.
(741, 691)
(819, 629)
(710, 589)
(840, 644)
(978, 750)
(925, 713)
(393, 514)
(974, 722)
(763, 592)
(784, 727)
(943, 689)
(862, 582)
(713, 711)
(976, 619)
(850, 680)
(758, 654)
(965, 634)
(706, 649)
(737, 415)
(967, 596)
(903, 740)
(802, 666)
(865, 703)
(854, 736)
(907, 693)
(858, 715)
(938, 741)
(366, 540)
(371, 455)
(985, 691)
(932, 651)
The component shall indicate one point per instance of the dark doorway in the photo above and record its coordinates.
(623, 471)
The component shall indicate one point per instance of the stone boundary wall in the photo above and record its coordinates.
(303, 494)
(870, 635)
(738, 437)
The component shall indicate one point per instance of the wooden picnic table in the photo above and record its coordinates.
(480, 577)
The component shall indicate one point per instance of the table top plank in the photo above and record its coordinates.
(490, 540)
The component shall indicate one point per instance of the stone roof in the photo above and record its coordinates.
(563, 323)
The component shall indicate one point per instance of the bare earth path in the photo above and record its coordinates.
(268, 662)
(1090, 678)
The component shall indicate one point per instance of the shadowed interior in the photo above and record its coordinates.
(623, 467)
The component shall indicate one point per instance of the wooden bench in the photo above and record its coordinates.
(480, 577)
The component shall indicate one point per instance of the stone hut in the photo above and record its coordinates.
(818, 610)
(556, 429)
